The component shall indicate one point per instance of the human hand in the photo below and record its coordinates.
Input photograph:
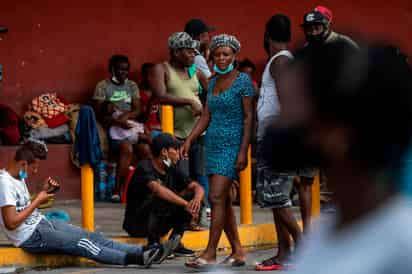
(42, 197)
(196, 108)
(241, 161)
(188, 208)
(184, 149)
(194, 205)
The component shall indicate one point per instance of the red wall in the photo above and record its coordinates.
(64, 45)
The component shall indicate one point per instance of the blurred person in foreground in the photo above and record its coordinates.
(350, 112)
(317, 27)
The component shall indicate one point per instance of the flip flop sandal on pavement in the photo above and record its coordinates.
(272, 264)
(200, 264)
(232, 262)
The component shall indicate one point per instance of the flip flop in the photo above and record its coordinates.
(232, 262)
(272, 264)
(200, 264)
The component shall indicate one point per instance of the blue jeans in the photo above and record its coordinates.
(57, 237)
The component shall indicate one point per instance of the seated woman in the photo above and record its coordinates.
(124, 94)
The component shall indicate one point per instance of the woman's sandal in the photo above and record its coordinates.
(200, 264)
(232, 262)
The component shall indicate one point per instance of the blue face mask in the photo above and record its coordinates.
(23, 174)
(230, 68)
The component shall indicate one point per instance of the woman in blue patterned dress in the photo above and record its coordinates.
(228, 117)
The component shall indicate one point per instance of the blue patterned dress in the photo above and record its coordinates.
(225, 132)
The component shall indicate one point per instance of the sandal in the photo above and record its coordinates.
(232, 262)
(200, 264)
(272, 264)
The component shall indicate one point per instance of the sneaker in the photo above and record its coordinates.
(171, 257)
(150, 255)
(167, 248)
(115, 198)
(182, 251)
(205, 218)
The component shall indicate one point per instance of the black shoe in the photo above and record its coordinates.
(182, 251)
(167, 249)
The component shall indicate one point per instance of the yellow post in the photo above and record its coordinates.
(167, 119)
(87, 197)
(316, 196)
(246, 192)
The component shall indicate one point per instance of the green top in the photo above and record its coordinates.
(184, 121)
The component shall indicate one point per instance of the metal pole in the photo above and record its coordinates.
(87, 197)
(246, 191)
(316, 196)
(167, 119)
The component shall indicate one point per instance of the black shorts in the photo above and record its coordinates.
(197, 158)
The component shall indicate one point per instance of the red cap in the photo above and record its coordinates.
(325, 12)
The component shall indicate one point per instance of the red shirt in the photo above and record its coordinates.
(152, 111)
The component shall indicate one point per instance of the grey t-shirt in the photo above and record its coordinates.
(120, 95)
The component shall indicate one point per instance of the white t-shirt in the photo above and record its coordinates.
(14, 192)
(379, 244)
(268, 105)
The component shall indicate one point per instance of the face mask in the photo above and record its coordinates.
(285, 150)
(115, 80)
(167, 162)
(230, 68)
(316, 39)
(23, 174)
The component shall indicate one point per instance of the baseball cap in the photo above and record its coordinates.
(326, 12)
(3, 29)
(314, 17)
(195, 27)
(179, 40)
(164, 140)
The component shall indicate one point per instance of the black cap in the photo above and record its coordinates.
(3, 29)
(194, 27)
(314, 17)
(163, 140)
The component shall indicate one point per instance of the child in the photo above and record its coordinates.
(136, 132)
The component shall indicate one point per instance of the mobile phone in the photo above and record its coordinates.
(53, 189)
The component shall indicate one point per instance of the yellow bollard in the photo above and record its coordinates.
(167, 119)
(316, 196)
(87, 197)
(246, 192)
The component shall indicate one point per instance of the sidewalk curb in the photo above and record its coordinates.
(251, 236)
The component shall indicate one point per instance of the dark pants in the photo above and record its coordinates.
(158, 219)
(197, 158)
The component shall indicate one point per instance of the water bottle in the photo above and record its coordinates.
(111, 179)
(102, 181)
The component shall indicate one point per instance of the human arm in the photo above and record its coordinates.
(199, 128)
(166, 194)
(248, 117)
(199, 194)
(136, 105)
(276, 68)
(157, 81)
(12, 219)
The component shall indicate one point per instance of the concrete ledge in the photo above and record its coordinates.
(251, 236)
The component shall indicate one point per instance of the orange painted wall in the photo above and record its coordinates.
(64, 45)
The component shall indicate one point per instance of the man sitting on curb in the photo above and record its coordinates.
(161, 196)
(27, 228)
